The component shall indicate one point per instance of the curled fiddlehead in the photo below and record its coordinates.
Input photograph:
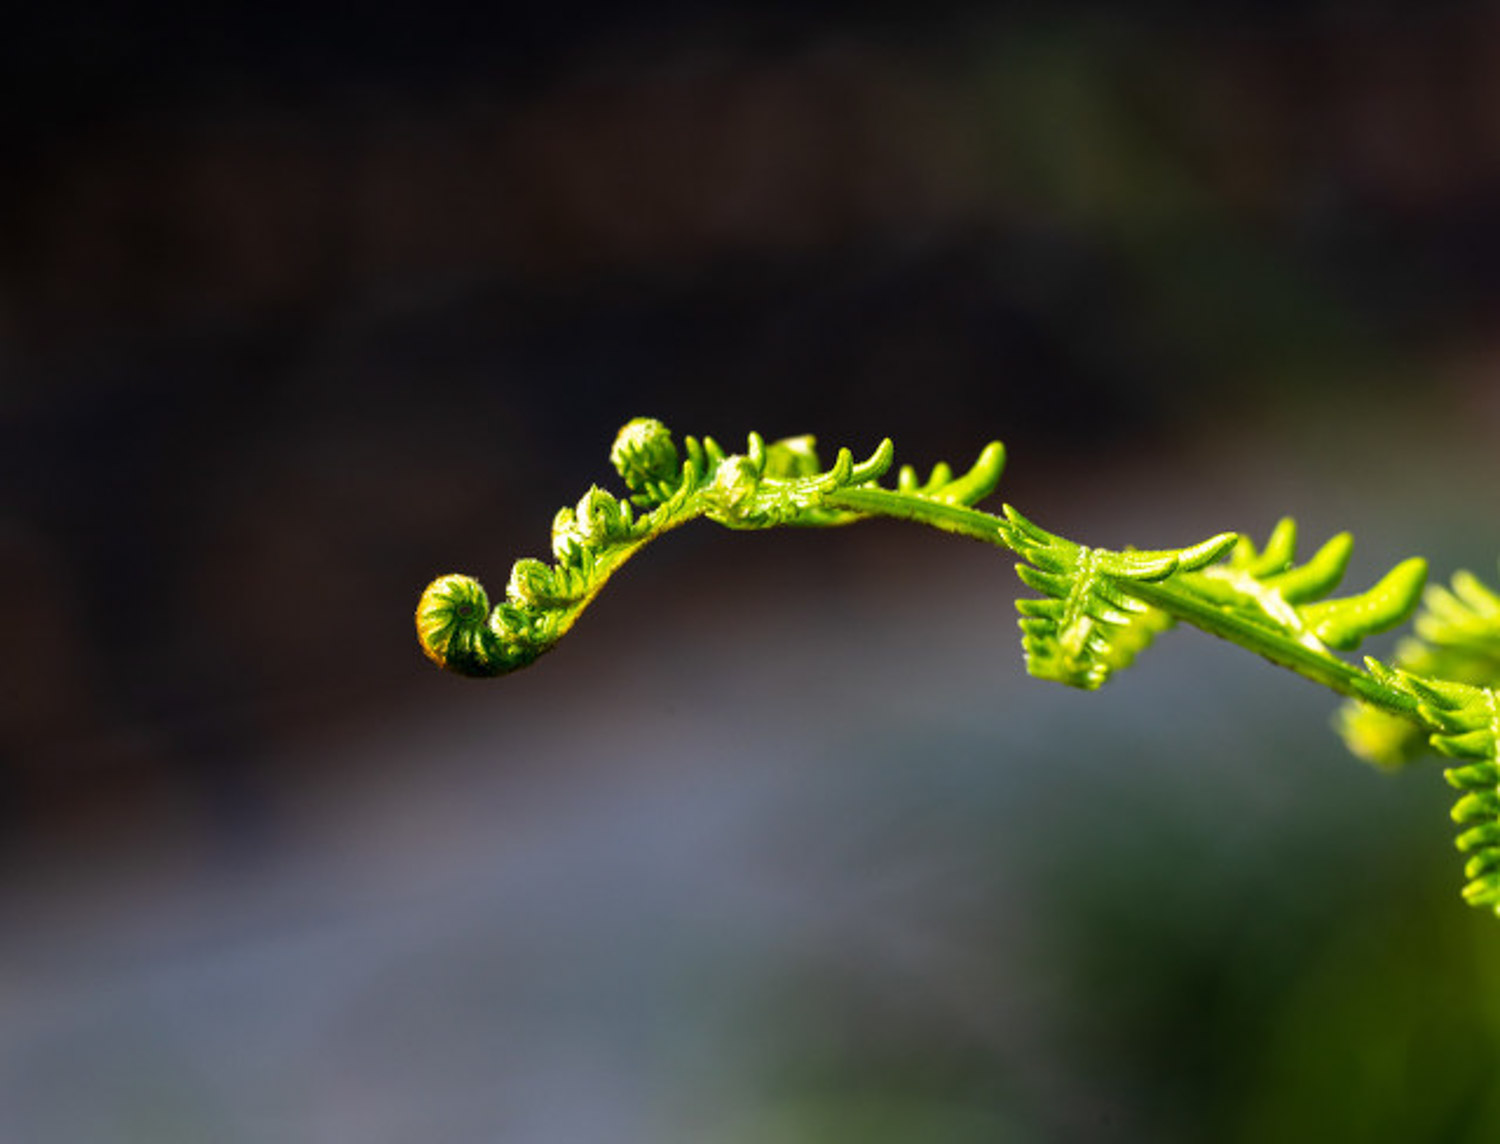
(1097, 611)
(767, 485)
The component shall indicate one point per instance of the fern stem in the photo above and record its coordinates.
(970, 522)
(1319, 666)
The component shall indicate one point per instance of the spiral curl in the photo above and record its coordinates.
(453, 625)
(767, 485)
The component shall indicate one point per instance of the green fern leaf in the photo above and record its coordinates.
(1457, 638)
(1269, 589)
(1089, 625)
(969, 489)
(1462, 721)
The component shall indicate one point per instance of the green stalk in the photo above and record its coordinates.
(957, 519)
(1176, 601)
(1319, 666)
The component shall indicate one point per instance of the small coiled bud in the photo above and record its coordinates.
(567, 541)
(732, 494)
(645, 456)
(600, 518)
(537, 585)
(453, 625)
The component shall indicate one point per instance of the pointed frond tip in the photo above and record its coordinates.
(981, 479)
(1345, 622)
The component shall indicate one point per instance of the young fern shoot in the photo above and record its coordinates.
(1098, 609)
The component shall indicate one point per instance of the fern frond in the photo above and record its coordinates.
(1089, 624)
(1097, 608)
(768, 485)
(1460, 628)
(1462, 721)
(1102, 608)
(1260, 599)
(1457, 638)
(968, 489)
(1267, 587)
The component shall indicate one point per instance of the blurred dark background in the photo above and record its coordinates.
(300, 307)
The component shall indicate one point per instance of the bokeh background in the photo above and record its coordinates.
(303, 306)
